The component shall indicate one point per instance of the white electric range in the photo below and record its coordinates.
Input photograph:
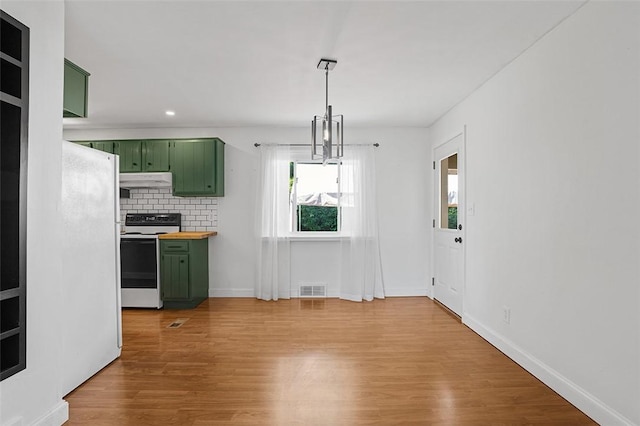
(140, 257)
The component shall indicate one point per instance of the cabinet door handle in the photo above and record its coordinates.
(148, 164)
(182, 261)
(135, 164)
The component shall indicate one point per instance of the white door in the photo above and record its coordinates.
(448, 224)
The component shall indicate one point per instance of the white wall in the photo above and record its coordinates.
(33, 396)
(553, 169)
(403, 182)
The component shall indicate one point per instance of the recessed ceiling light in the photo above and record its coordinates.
(170, 113)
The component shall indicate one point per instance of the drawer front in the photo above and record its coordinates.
(175, 246)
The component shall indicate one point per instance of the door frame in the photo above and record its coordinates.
(462, 216)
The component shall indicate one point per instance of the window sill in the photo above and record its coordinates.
(317, 236)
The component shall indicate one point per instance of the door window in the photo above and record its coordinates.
(449, 192)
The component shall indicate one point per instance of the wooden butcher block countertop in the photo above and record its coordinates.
(187, 235)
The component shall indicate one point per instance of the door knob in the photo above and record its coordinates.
(458, 240)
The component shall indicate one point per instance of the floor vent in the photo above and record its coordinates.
(178, 322)
(316, 290)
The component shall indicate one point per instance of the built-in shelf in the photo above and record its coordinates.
(14, 110)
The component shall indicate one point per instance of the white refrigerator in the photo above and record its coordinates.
(90, 207)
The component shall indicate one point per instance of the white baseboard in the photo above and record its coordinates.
(232, 292)
(56, 417)
(583, 400)
(250, 292)
(405, 292)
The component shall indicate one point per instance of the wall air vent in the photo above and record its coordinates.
(313, 290)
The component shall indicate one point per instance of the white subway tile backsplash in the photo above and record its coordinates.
(198, 214)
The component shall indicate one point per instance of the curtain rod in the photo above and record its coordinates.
(308, 144)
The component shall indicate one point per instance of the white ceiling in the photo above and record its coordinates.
(253, 63)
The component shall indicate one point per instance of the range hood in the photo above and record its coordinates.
(146, 180)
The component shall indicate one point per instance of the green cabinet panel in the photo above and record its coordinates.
(130, 153)
(143, 156)
(106, 146)
(175, 276)
(156, 155)
(76, 89)
(184, 272)
(198, 167)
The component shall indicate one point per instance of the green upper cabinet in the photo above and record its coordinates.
(156, 155)
(130, 153)
(76, 89)
(197, 164)
(106, 146)
(143, 156)
(198, 167)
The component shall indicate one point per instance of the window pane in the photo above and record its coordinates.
(316, 197)
(449, 192)
(318, 218)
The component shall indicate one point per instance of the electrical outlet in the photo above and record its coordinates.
(506, 314)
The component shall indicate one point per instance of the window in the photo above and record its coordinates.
(314, 197)
(449, 192)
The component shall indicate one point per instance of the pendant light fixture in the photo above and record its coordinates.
(330, 126)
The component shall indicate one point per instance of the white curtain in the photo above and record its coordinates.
(273, 275)
(361, 271)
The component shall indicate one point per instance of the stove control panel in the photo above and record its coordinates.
(152, 219)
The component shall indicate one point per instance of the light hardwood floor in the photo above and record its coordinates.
(312, 362)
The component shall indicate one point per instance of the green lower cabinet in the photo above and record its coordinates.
(175, 276)
(184, 272)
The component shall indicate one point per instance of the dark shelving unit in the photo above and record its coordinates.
(14, 110)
